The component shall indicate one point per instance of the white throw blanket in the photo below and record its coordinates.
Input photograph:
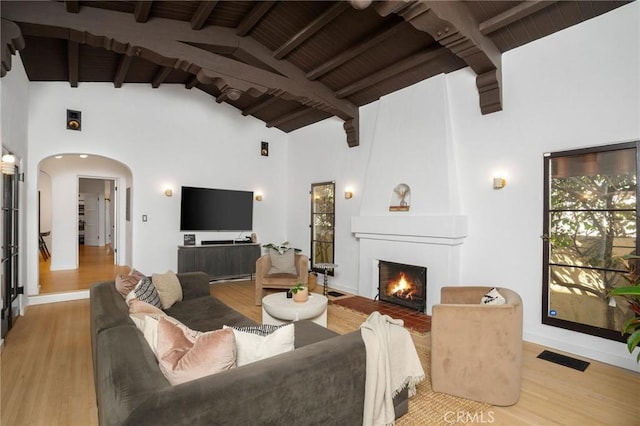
(392, 365)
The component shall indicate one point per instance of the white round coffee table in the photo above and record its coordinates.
(277, 309)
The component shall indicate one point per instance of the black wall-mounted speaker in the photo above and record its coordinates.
(74, 120)
(264, 149)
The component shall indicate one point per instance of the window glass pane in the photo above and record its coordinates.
(580, 295)
(322, 224)
(591, 238)
(590, 223)
(322, 252)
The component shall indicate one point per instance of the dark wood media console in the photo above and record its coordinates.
(219, 261)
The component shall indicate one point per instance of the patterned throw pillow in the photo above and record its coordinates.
(260, 342)
(146, 291)
(260, 330)
(493, 298)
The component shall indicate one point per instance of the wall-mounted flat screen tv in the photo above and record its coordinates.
(207, 209)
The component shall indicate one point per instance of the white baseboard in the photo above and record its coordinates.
(58, 297)
(623, 359)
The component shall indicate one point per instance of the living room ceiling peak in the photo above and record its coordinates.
(287, 63)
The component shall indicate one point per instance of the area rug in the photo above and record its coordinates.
(427, 407)
(435, 408)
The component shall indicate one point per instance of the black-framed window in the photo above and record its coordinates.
(323, 215)
(590, 222)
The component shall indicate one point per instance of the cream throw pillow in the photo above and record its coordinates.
(253, 347)
(182, 360)
(169, 288)
(282, 263)
(139, 307)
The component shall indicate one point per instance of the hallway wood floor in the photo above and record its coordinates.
(95, 264)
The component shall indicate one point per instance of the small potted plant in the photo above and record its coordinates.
(281, 248)
(300, 293)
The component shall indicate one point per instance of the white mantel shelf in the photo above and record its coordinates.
(448, 230)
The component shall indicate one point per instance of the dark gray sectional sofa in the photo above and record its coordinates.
(321, 382)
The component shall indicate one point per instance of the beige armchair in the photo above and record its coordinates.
(283, 281)
(476, 349)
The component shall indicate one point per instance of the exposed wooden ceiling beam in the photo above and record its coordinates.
(193, 81)
(353, 52)
(260, 105)
(395, 69)
(253, 17)
(310, 29)
(202, 14)
(72, 6)
(297, 113)
(121, 73)
(12, 41)
(452, 25)
(174, 44)
(512, 15)
(161, 76)
(73, 59)
(142, 10)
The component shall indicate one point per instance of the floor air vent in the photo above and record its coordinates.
(567, 361)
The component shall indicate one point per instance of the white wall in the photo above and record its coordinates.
(576, 88)
(164, 136)
(319, 153)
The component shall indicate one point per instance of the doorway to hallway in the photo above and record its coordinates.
(95, 265)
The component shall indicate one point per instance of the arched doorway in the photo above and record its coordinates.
(79, 193)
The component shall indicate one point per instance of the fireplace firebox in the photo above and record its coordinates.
(402, 284)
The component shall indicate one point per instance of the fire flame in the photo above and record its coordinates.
(402, 288)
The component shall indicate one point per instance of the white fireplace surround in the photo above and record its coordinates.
(431, 241)
(433, 229)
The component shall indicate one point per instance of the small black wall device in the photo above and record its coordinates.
(74, 120)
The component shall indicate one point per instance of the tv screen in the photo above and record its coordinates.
(205, 209)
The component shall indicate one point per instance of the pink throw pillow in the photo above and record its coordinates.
(182, 360)
(126, 283)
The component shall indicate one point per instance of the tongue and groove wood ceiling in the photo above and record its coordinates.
(287, 63)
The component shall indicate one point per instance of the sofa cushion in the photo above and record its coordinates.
(206, 313)
(182, 359)
(282, 263)
(126, 373)
(260, 342)
(168, 287)
(146, 291)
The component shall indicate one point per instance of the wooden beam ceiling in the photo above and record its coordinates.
(452, 26)
(173, 44)
(12, 41)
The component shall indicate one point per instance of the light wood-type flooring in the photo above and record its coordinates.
(94, 264)
(47, 378)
